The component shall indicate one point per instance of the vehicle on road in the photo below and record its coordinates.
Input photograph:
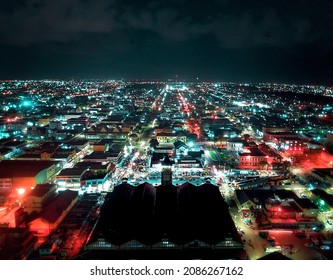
(315, 240)
(300, 233)
(269, 248)
(309, 245)
(263, 234)
(318, 228)
(270, 238)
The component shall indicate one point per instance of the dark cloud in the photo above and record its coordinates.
(66, 20)
(153, 36)
(61, 21)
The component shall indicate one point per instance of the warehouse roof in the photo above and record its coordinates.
(181, 213)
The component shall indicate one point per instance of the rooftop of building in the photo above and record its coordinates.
(4, 151)
(23, 168)
(41, 189)
(263, 195)
(235, 140)
(97, 155)
(167, 134)
(55, 209)
(324, 195)
(323, 172)
(30, 155)
(93, 165)
(93, 176)
(72, 172)
(15, 143)
(179, 144)
(77, 142)
(180, 213)
(254, 152)
(282, 134)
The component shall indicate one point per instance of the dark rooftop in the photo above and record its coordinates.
(324, 195)
(72, 172)
(41, 190)
(93, 176)
(97, 155)
(179, 144)
(255, 152)
(323, 171)
(77, 142)
(55, 209)
(92, 165)
(23, 168)
(148, 214)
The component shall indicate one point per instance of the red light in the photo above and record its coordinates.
(279, 209)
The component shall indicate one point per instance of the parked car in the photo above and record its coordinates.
(318, 228)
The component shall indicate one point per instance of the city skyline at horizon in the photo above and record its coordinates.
(215, 40)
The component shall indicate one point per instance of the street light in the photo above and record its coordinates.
(20, 191)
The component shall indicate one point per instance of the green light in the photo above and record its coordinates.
(322, 202)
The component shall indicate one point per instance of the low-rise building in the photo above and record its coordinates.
(254, 159)
(287, 141)
(95, 182)
(16, 243)
(165, 222)
(165, 137)
(38, 197)
(235, 145)
(50, 218)
(17, 174)
(281, 209)
(70, 178)
(324, 175)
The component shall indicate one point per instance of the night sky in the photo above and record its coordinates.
(217, 40)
